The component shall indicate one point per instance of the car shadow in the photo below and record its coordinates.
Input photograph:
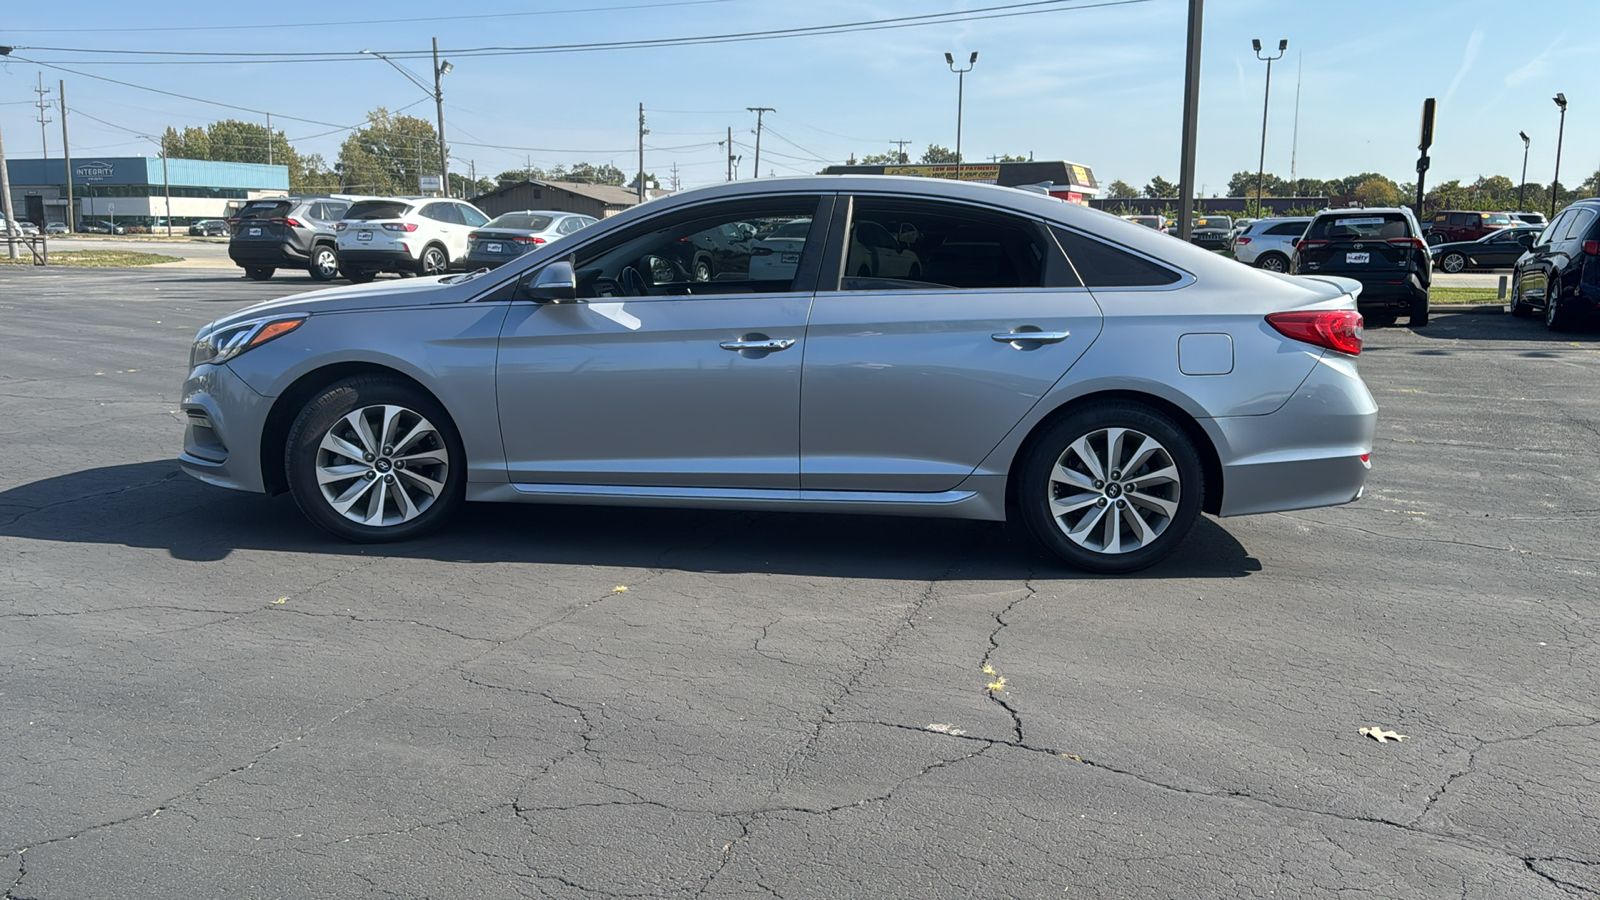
(154, 505)
(1491, 326)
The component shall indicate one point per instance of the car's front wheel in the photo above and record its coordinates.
(1111, 488)
(372, 459)
(324, 263)
(1519, 308)
(1453, 262)
(1555, 317)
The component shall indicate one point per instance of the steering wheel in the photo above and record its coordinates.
(632, 282)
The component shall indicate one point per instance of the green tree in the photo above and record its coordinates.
(1376, 192)
(389, 154)
(1121, 190)
(889, 158)
(936, 155)
(192, 143)
(1160, 188)
(465, 188)
(316, 177)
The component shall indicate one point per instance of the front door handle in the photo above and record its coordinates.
(767, 344)
(1031, 335)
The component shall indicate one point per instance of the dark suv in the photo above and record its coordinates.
(1561, 271)
(288, 233)
(1451, 225)
(1381, 248)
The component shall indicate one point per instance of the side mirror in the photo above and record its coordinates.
(1295, 242)
(554, 283)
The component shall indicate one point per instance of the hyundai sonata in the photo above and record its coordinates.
(1096, 379)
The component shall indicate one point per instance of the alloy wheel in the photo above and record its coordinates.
(1114, 490)
(382, 465)
(1453, 263)
(433, 261)
(325, 262)
(1274, 263)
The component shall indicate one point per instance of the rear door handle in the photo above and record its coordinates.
(765, 344)
(1034, 336)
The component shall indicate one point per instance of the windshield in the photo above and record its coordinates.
(521, 220)
(1213, 222)
(1373, 226)
(377, 209)
(1497, 219)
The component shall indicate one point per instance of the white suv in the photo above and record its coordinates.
(424, 236)
(1269, 243)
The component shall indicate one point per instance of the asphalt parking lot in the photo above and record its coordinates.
(201, 696)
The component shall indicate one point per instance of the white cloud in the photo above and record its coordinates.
(1467, 59)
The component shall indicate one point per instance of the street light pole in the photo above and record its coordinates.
(1261, 168)
(961, 89)
(1524, 182)
(440, 69)
(1555, 185)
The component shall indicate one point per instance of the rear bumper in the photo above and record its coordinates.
(276, 255)
(376, 260)
(1384, 294)
(1307, 453)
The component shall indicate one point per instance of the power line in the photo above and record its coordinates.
(545, 12)
(1011, 10)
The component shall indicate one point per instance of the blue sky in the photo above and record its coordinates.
(1100, 86)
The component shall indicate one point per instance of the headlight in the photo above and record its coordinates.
(216, 345)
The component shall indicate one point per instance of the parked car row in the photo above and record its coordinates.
(359, 237)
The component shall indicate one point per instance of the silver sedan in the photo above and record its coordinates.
(1022, 356)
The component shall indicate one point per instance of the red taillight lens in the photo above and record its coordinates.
(399, 226)
(338, 226)
(1304, 242)
(1241, 239)
(1417, 243)
(472, 236)
(1336, 329)
(528, 240)
(292, 223)
(1591, 248)
(233, 221)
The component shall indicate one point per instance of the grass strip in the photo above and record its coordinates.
(94, 259)
(1463, 295)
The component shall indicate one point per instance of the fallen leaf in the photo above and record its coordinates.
(946, 729)
(987, 669)
(998, 684)
(280, 600)
(1381, 736)
(1073, 756)
(619, 589)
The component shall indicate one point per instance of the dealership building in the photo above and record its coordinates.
(134, 190)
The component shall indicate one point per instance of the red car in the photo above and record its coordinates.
(1451, 225)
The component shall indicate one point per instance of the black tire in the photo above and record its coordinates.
(258, 273)
(1273, 262)
(324, 263)
(358, 276)
(327, 414)
(1419, 311)
(1518, 308)
(701, 272)
(433, 261)
(1556, 317)
(1053, 449)
(1453, 262)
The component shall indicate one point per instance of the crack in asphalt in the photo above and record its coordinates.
(1531, 863)
(1000, 623)
(1508, 548)
(1472, 759)
(110, 492)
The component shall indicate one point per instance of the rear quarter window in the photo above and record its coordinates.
(1580, 224)
(1099, 264)
(1289, 228)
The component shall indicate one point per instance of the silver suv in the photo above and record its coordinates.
(1269, 243)
(295, 232)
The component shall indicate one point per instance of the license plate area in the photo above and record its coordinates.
(492, 248)
(363, 235)
(1356, 259)
(255, 232)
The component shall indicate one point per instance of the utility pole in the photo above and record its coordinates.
(1524, 182)
(642, 132)
(439, 71)
(901, 153)
(758, 110)
(674, 177)
(730, 153)
(269, 139)
(1191, 120)
(43, 104)
(66, 159)
(12, 229)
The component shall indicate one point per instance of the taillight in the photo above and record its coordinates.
(528, 240)
(292, 223)
(1335, 329)
(233, 221)
(472, 236)
(1417, 243)
(1591, 248)
(1241, 239)
(1312, 242)
(399, 226)
(338, 226)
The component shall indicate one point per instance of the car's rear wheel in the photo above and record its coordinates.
(1273, 262)
(1111, 488)
(258, 273)
(1555, 317)
(1419, 311)
(324, 263)
(1453, 262)
(373, 459)
(433, 261)
(702, 269)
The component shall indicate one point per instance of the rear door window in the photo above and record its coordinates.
(1100, 265)
(1558, 227)
(1580, 224)
(896, 244)
(470, 215)
(1289, 228)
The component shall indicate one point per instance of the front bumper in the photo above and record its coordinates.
(1307, 453)
(222, 434)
